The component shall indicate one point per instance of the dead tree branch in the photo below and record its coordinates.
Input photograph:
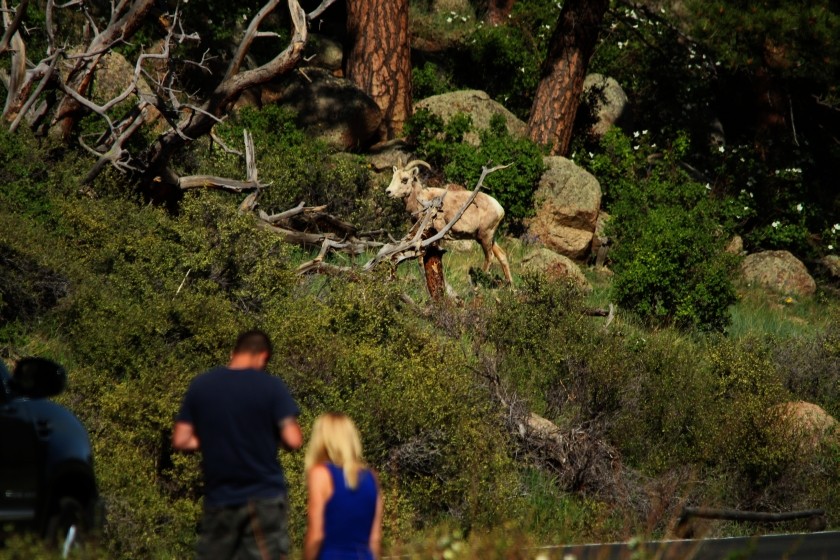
(419, 241)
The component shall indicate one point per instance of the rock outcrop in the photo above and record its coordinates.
(831, 263)
(567, 203)
(329, 108)
(779, 271)
(478, 105)
(608, 102)
(554, 265)
(810, 424)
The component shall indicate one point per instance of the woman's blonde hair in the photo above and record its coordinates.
(335, 439)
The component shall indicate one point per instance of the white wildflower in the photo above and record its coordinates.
(776, 224)
(636, 134)
(799, 207)
(721, 149)
(836, 227)
(708, 187)
(449, 20)
(636, 147)
(831, 247)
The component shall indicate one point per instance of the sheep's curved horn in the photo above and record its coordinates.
(415, 163)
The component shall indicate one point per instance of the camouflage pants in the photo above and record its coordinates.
(257, 530)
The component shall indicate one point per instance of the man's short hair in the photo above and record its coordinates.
(253, 342)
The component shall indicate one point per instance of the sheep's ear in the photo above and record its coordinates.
(395, 169)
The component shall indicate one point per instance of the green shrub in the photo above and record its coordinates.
(428, 80)
(668, 238)
(443, 146)
(295, 167)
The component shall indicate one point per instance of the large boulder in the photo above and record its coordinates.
(323, 52)
(567, 202)
(831, 263)
(113, 75)
(478, 105)
(329, 108)
(600, 241)
(779, 271)
(607, 101)
(555, 265)
(810, 424)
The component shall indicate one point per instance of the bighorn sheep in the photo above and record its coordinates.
(479, 221)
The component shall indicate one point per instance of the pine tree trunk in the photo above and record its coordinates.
(498, 10)
(558, 95)
(379, 57)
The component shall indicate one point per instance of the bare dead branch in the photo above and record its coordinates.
(314, 14)
(17, 72)
(224, 146)
(24, 110)
(190, 182)
(250, 34)
(250, 157)
(11, 24)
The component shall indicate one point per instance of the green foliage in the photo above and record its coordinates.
(749, 437)
(297, 168)
(443, 146)
(493, 51)
(668, 258)
(797, 39)
(428, 80)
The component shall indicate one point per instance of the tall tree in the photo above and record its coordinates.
(558, 95)
(379, 57)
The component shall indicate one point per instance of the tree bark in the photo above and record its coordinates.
(558, 95)
(498, 10)
(432, 262)
(379, 57)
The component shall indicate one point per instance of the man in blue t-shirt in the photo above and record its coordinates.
(238, 415)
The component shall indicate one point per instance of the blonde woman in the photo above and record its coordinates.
(345, 505)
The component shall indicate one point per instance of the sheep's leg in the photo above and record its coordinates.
(488, 254)
(500, 255)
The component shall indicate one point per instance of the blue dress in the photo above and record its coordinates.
(348, 517)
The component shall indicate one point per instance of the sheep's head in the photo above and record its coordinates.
(404, 176)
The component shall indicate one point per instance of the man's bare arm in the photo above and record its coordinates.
(184, 438)
(291, 437)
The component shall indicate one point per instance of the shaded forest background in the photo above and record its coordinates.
(735, 131)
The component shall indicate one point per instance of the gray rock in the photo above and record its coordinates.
(329, 108)
(478, 105)
(112, 76)
(608, 101)
(735, 245)
(832, 265)
(568, 202)
(779, 271)
(325, 52)
(600, 241)
(555, 266)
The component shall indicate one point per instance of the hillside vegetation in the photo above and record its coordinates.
(674, 403)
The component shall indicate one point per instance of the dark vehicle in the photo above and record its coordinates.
(47, 482)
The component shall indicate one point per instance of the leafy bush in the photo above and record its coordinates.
(429, 79)
(296, 167)
(443, 146)
(668, 238)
